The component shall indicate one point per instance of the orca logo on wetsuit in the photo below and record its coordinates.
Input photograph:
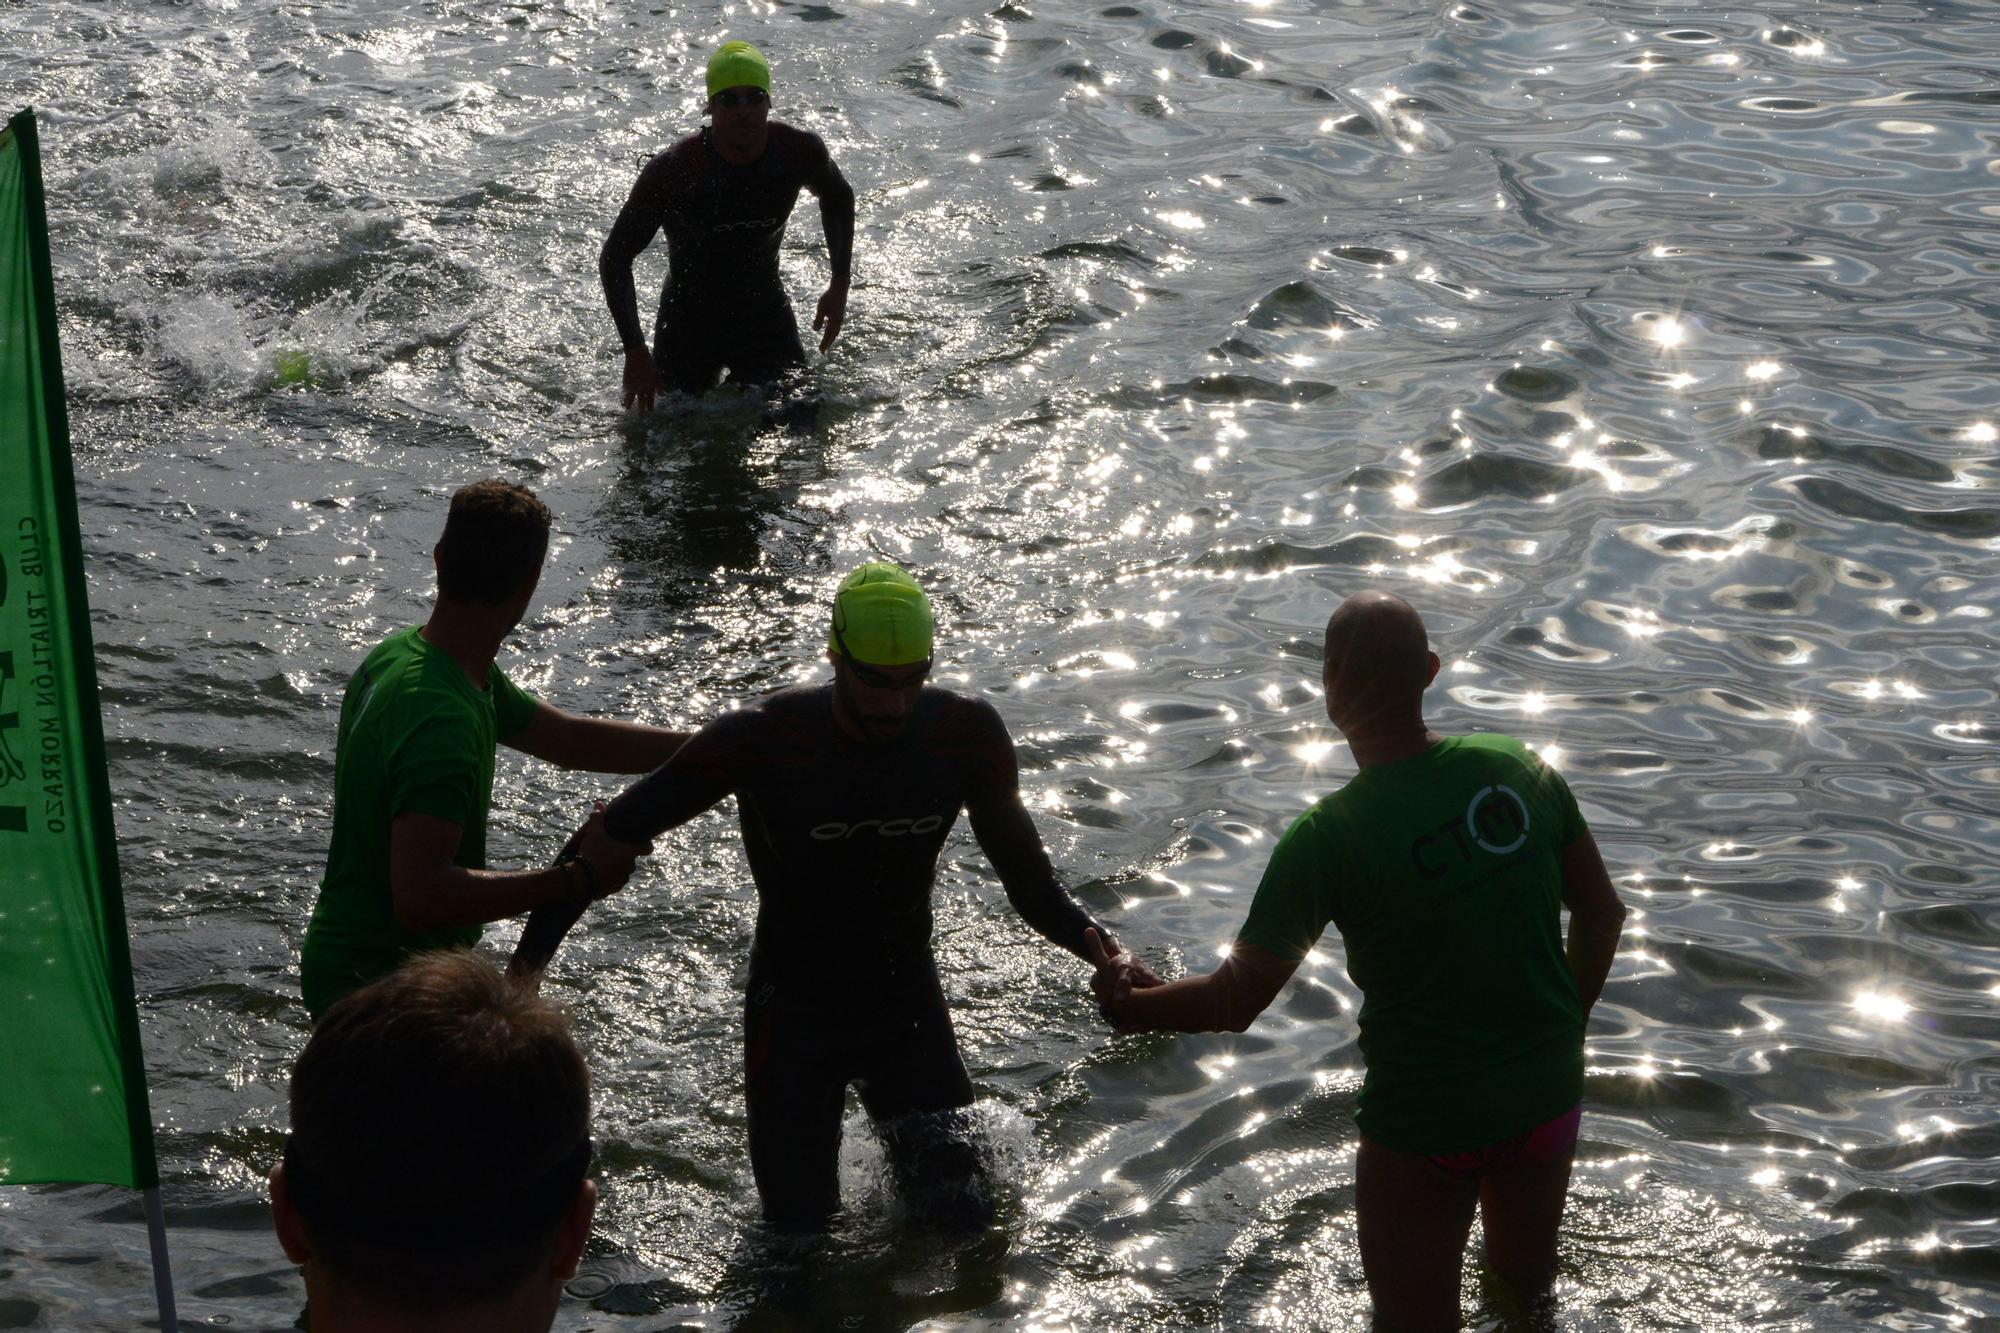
(1497, 819)
(885, 828)
(749, 224)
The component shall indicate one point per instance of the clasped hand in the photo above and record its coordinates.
(611, 860)
(1119, 973)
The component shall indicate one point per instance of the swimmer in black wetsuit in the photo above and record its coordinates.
(723, 196)
(846, 793)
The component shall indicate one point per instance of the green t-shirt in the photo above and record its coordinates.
(415, 738)
(1442, 873)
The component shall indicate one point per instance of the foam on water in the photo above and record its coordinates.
(228, 278)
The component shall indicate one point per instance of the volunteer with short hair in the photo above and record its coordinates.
(846, 791)
(723, 196)
(413, 765)
(436, 1177)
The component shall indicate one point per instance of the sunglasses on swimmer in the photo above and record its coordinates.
(740, 97)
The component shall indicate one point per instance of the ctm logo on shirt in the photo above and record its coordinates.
(882, 828)
(1495, 821)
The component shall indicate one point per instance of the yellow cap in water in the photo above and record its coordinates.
(881, 617)
(738, 65)
(292, 365)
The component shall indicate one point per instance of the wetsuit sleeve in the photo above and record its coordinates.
(702, 772)
(638, 222)
(836, 209)
(1007, 835)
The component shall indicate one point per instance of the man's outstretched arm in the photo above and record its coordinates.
(594, 744)
(1007, 835)
(671, 794)
(1286, 911)
(429, 891)
(1225, 1000)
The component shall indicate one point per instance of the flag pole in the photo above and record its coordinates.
(163, 1277)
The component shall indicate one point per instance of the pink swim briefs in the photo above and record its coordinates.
(1547, 1142)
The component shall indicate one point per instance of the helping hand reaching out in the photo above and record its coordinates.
(1119, 973)
(610, 860)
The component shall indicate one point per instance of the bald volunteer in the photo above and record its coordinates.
(723, 196)
(846, 792)
(1445, 863)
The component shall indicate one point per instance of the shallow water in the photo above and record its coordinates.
(1646, 347)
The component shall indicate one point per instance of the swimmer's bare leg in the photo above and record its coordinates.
(1414, 1220)
(1521, 1208)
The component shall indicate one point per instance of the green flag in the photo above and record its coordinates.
(72, 1083)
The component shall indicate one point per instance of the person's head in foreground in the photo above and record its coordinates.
(879, 641)
(435, 1174)
(490, 556)
(1377, 664)
(739, 100)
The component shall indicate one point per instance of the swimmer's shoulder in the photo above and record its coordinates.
(799, 149)
(793, 713)
(684, 159)
(778, 730)
(960, 721)
(785, 135)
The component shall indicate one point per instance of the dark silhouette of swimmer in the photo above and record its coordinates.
(723, 196)
(846, 793)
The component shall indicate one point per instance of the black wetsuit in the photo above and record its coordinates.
(843, 840)
(723, 305)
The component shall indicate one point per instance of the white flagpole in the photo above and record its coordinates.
(163, 1278)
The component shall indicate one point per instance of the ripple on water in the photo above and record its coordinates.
(1647, 350)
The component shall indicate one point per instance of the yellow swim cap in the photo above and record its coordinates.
(881, 617)
(738, 65)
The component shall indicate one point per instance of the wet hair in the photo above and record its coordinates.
(440, 1132)
(495, 539)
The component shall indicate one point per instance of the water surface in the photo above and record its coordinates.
(1647, 348)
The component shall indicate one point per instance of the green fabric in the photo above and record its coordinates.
(1442, 874)
(416, 737)
(73, 1093)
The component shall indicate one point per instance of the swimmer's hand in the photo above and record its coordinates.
(610, 860)
(599, 864)
(642, 378)
(832, 312)
(1118, 974)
